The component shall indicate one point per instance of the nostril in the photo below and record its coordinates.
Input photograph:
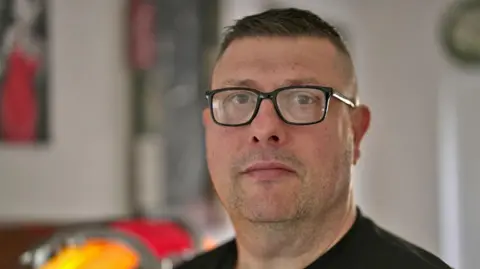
(274, 138)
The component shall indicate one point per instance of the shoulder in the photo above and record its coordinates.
(212, 259)
(393, 251)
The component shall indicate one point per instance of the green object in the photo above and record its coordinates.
(461, 32)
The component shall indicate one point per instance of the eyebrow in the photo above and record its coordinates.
(250, 83)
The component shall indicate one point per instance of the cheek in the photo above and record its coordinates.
(335, 135)
(332, 154)
(321, 152)
(319, 149)
(221, 143)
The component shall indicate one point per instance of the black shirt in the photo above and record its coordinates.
(365, 246)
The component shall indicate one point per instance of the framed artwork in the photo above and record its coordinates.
(23, 72)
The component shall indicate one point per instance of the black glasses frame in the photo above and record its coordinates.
(327, 91)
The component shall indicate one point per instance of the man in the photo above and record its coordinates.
(283, 130)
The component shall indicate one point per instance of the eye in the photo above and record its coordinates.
(304, 98)
(240, 98)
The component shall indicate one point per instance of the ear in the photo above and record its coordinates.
(360, 118)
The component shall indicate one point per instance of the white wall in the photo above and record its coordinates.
(459, 184)
(81, 173)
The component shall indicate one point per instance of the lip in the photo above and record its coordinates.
(268, 166)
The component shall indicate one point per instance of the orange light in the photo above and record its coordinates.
(95, 254)
(114, 256)
(65, 257)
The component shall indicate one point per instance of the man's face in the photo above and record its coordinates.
(317, 157)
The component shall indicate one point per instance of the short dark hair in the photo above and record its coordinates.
(284, 22)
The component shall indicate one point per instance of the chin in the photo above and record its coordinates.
(269, 203)
(269, 220)
(264, 214)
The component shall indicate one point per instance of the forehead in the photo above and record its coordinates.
(272, 62)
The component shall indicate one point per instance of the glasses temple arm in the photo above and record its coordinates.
(345, 99)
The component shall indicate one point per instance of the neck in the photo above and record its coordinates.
(295, 244)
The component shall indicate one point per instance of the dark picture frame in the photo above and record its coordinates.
(24, 86)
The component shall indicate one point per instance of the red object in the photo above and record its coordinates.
(18, 102)
(142, 34)
(162, 237)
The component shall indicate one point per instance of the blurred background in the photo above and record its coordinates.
(101, 100)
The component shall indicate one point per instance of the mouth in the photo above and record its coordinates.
(268, 171)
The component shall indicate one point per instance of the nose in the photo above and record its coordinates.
(268, 128)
